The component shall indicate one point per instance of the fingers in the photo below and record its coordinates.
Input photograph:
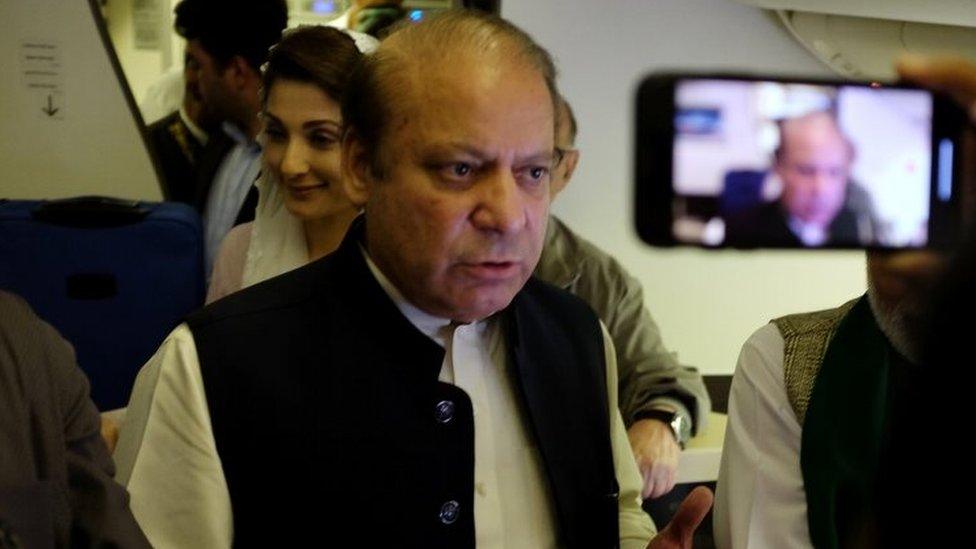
(657, 454)
(680, 532)
(941, 72)
(690, 514)
(672, 478)
(651, 482)
(951, 74)
(110, 433)
(648, 491)
(659, 479)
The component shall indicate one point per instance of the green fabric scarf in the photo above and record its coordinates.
(375, 19)
(844, 431)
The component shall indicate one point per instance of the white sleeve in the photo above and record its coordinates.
(759, 501)
(163, 96)
(636, 528)
(228, 271)
(167, 455)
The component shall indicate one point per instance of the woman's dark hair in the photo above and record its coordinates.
(318, 55)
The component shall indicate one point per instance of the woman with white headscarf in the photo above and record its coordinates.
(302, 211)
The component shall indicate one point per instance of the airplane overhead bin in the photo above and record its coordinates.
(861, 39)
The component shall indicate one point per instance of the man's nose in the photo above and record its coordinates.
(501, 206)
(823, 182)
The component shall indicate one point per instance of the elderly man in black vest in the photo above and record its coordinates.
(416, 386)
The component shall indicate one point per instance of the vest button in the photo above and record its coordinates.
(449, 512)
(444, 412)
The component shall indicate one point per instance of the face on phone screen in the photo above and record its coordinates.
(762, 163)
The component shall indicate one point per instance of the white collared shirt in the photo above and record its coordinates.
(508, 466)
(168, 460)
(197, 132)
(760, 502)
(810, 234)
(237, 173)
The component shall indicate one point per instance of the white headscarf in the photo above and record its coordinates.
(277, 237)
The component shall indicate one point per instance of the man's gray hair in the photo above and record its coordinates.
(368, 107)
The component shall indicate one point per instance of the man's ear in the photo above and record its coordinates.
(568, 165)
(239, 73)
(777, 168)
(357, 176)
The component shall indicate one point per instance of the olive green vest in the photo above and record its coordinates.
(836, 366)
(805, 340)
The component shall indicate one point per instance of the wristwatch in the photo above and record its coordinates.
(680, 427)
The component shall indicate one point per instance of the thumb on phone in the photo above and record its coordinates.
(680, 532)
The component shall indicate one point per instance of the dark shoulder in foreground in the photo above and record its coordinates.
(284, 291)
(12, 308)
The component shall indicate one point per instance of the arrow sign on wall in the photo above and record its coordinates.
(50, 110)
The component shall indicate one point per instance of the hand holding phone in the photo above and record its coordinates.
(750, 162)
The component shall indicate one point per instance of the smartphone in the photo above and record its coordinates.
(768, 162)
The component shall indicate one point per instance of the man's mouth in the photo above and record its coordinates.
(492, 270)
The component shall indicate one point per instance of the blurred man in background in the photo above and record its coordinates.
(228, 53)
(663, 403)
(828, 410)
(813, 162)
(372, 17)
(178, 138)
(810, 408)
(935, 514)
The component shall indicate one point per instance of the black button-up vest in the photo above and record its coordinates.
(331, 424)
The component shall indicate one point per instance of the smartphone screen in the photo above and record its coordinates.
(772, 163)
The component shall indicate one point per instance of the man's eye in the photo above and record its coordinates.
(455, 173)
(533, 174)
(806, 170)
(460, 169)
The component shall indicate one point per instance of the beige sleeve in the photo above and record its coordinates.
(650, 374)
(167, 456)
(636, 528)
